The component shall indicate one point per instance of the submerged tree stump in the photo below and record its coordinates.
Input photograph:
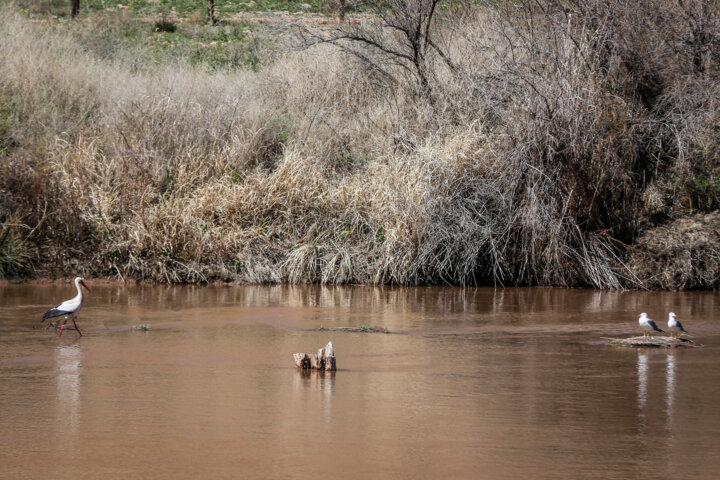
(653, 341)
(324, 360)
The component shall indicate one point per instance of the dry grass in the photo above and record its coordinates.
(682, 255)
(536, 161)
(15, 251)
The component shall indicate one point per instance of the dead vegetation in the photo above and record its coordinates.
(653, 342)
(683, 254)
(533, 144)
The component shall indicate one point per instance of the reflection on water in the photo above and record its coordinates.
(320, 385)
(316, 380)
(669, 408)
(67, 358)
(650, 411)
(642, 374)
(670, 385)
(473, 383)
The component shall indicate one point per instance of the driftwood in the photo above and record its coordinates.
(324, 360)
(653, 342)
(360, 329)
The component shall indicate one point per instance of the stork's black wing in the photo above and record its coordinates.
(54, 313)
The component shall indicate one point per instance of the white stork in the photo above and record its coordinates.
(674, 325)
(648, 324)
(68, 309)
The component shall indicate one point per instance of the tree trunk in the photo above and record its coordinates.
(324, 360)
(212, 20)
(342, 11)
(75, 8)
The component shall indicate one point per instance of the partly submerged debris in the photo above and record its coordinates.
(359, 329)
(653, 341)
(324, 360)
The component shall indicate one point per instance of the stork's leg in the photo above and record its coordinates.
(76, 327)
(62, 327)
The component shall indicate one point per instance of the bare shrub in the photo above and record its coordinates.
(682, 255)
(403, 36)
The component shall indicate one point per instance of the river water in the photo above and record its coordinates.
(475, 383)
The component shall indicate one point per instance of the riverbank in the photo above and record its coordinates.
(254, 153)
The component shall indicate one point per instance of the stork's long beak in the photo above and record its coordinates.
(85, 285)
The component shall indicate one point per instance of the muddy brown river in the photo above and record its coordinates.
(474, 383)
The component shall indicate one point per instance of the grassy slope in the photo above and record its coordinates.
(212, 153)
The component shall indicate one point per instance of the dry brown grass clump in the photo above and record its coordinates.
(681, 255)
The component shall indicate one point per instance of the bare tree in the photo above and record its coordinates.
(402, 35)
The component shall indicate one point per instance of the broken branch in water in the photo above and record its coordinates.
(360, 329)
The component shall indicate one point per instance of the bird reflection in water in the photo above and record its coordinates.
(68, 357)
(670, 385)
(642, 373)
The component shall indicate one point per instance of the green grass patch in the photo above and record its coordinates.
(233, 46)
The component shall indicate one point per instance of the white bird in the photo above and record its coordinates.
(648, 324)
(674, 325)
(68, 309)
